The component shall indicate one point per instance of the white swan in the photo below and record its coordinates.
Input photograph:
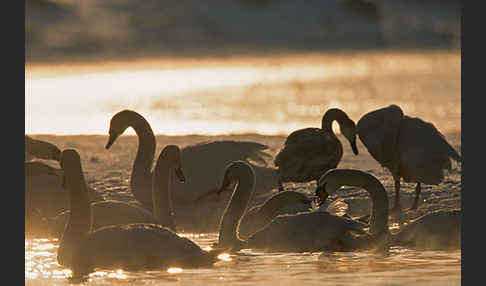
(312, 231)
(218, 154)
(409, 148)
(286, 202)
(40, 149)
(439, 230)
(128, 246)
(112, 212)
(308, 153)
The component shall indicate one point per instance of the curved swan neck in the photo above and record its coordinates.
(161, 197)
(331, 115)
(379, 211)
(142, 165)
(236, 208)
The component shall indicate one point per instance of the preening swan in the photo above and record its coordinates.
(439, 230)
(312, 231)
(204, 162)
(41, 149)
(308, 153)
(280, 203)
(116, 212)
(409, 148)
(128, 246)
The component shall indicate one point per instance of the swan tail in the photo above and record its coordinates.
(205, 258)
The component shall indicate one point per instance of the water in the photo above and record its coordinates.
(400, 267)
(267, 95)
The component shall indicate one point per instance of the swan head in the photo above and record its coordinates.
(349, 131)
(171, 154)
(70, 160)
(327, 185)
(118, 124)
(233, 173)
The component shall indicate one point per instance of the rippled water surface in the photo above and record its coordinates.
(400, 267)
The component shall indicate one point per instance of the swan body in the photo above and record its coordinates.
(216, 154)
(409, 148)
(308, 153)
(41, 149)
(439, 230)
(312, 231)
(116, 212)
(128, 246)
(280, 203)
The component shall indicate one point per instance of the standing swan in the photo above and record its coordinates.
(313, 231)
(310, 152)
(116, 212)
(409, 148)
(128, 246)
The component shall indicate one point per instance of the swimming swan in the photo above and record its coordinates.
(112, 212)
(308, 153)
(280, 203)
(131, 247)
(312, 231)
(409, 148)
(40, 149)
(439, 230)
(218, 154)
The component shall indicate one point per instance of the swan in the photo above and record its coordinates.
(36, 168)
(408, 147)
(280, 203)
(196, 158)
(439, 230)
(131, 247)
(312, 231)
(111, 212)
(308, 153)
(41, 149)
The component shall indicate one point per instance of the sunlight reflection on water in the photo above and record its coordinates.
(264, 95)
(401, 267)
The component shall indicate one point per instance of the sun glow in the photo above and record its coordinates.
(174, 270)
(225, 257)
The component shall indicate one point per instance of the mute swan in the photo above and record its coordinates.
(409, 148)
(280, 203)
(128, 246)
(36, 168)
(116, 212)
(41, 149)
(439, 230)
(312, 231)
(196, 158)
(308, 153)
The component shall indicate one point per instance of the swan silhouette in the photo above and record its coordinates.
(131, 247)
(308, 153)
(408, 147)
(41, 149)
(113, 212)
(439, 230)
(218, 154)
(312, 231)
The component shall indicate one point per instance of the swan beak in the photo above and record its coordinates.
(110, 141)
(224, 186)
(354, 147)
(180, 174)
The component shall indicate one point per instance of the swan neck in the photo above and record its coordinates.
(237, 205)
(330, 116)
(141, 172)
(161, 196)
(80, 218)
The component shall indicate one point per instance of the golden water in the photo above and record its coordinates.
(267, 95)
(400, 267)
